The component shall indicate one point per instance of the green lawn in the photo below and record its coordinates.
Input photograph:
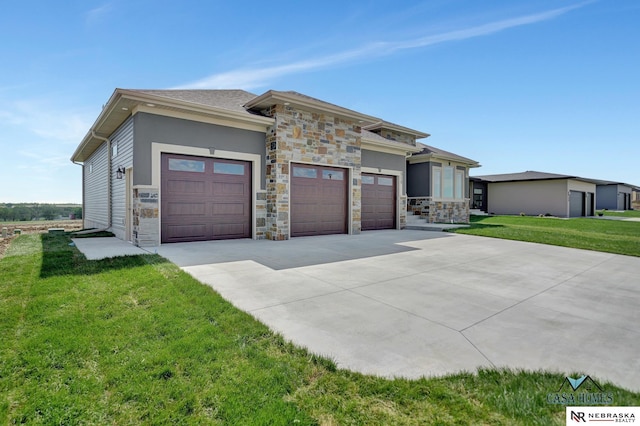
(613, 236)
(626, 213)
(136, 340)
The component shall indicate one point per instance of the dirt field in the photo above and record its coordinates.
(37, 227)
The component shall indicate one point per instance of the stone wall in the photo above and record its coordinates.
(313, 138)
(261, 215)
(439, 211)
(146, 222)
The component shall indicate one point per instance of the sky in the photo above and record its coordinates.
(545, 85)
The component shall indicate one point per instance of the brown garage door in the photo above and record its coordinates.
(318, 200)
(378, 202)
(205, 199)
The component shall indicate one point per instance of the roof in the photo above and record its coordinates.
(272, 97)
(376, 139)
(528, 176)
(392, 126)
(232, 100)
(235, 107)
(428, 151)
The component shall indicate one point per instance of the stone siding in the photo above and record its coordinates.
(146, 220)
(439, 211)
(313, 138)
(261, 215)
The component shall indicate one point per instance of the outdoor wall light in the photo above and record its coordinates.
(120, 172)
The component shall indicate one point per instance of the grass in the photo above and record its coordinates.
(135, 340)
(612, 236)
(626, 213)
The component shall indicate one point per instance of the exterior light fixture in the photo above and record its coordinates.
(120, 172)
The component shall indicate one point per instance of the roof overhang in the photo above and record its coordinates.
(274, 97)
(423, 158)
(124, 103)
(383, 145)
(395, 127)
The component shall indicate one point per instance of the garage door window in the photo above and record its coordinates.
(228, 169)
(179, 165)
(305, 172)
(333, 174)
(368, 180)
(384, 181)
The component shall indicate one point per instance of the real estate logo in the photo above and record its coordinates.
(579, 415)
(591, 393)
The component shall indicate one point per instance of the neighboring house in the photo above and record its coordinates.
(635, 199)
(438, 185)
(186, 165)
(534, 193)
(613, 195)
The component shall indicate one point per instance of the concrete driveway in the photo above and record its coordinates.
(412, 303)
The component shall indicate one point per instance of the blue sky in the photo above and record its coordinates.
(547, 85)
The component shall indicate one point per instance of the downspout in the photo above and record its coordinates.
(102, 138)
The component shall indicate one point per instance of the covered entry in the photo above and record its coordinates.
(318, 200)
(204, 199)
(378, 202)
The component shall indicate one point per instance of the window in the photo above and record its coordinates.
(180, 165)
(228, 168)
(305, 172)
(333, 174)
(385, 181)
(447, 182)
(114, 150)
(459, 184)
(368, 180)
(437, 182)
(91, 167)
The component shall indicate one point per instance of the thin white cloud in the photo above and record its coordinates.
(97, 13)
(249, 78)
(47, 121)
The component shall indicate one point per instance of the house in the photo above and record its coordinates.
(613, 195)
(438, 185)
(534, 193)
(164, 166)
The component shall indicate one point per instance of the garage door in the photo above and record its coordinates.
(204, 199)
(378, 202)
(576, 203)
(318, 200)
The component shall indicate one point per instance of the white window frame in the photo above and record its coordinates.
(455, 191)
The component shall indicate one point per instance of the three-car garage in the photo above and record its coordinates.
(208, 199)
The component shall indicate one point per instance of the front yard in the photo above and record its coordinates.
(135, 340)
(612, 236)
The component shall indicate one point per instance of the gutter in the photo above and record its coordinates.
(108, 141)
(81, 164)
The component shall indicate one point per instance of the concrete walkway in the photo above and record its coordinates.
(414, 303)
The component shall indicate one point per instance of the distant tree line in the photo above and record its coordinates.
(10, 212)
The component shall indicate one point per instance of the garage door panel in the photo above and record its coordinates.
(232, 189)
(378, 202)
(190, 232)
(185, 186)
(185, 209)
(231, 209)
(204, 198)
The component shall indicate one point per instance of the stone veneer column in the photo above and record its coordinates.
(313, 138)
(145, 217)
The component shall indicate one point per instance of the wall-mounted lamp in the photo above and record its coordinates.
(120, 172)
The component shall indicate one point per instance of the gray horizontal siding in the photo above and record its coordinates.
(123, 138)
(96, 195)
